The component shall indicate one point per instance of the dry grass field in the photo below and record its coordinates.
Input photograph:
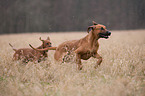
(122, 72)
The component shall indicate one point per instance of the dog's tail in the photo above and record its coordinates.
(45, 49)
(12, 47)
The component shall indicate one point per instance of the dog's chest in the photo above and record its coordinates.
(88, 53)
(90, 50)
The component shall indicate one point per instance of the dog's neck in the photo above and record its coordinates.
(40, 47)
(42, 52)
(92, 38)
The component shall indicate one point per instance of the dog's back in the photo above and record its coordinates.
(23, 53)
(29, 54)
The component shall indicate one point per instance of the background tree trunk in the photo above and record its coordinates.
(17, 16)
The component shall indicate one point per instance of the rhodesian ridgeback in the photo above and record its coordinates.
(28, 54)
(83, 48)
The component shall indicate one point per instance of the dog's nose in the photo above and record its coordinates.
(109, 33)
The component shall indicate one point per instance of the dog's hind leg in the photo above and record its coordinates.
(58, 55)
(67, 57)
(16, 57)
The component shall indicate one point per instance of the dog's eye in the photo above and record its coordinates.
(48, 43)
(102, 28)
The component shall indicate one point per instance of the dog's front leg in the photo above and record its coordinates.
(78, 61)
(99, 60)
(78, 57)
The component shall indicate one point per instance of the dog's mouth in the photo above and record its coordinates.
(47, 47)
(105, 35)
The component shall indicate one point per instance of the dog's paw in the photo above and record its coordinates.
(80, 67)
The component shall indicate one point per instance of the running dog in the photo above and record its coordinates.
(83, 48)
(28, 54)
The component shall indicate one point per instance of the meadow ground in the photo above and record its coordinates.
(122, 72)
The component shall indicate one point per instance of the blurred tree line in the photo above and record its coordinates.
(17, 16)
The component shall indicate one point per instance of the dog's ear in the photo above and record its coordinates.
(90, 27)
(94, 23)
(41, 39)
(48, 38)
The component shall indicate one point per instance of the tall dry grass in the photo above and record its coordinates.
(122, 72)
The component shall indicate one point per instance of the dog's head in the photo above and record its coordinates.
(99, 30)
(45, 43)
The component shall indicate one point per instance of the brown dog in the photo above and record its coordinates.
(28, 54)
(83, 48)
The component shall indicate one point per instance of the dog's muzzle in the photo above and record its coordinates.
(105, 35)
